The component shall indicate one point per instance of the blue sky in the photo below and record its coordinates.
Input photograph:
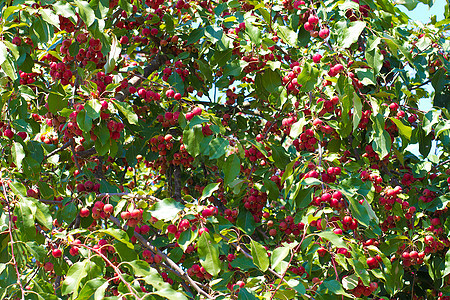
(423, 13)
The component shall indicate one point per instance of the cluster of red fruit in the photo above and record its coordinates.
(362, 290)
(133, 217)
(150, 257)
(102, 80)
(306, 141)
(427, 196)
(88, 187)
(99, 211)
(199, 272)
(390, 196)
(255, 201)
(196, 111)
(168, 119)
(411, 258)
(59, 71)
(27, 78)
(287, 226)
(161, 144)
(231, 215)
(334, 200)
(376, 180)
(147, 95)
(253, 154)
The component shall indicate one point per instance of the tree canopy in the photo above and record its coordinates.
(228, 149)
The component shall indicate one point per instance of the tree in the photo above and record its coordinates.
(223, 150)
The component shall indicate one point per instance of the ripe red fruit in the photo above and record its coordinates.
(56, 252)
(48, 266)
(313, 20)
(316, 58)
(171, 229)
(125, 215)
(74, 251)
(157, 259)
(324, 33)
(372, 262)
(84, 212)
(8, 133)
(108, 208)
(124, 40)
(17, 41)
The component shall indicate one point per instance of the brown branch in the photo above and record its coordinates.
(66, 145)
(136, 80)
(10, 225)
(170, 263)
(116, 269)
(86, 153)
(177, 183)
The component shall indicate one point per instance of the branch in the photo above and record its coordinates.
(10, 225)
(86, 153)
(136, 80)
(130, 195)
(66, 145)
(116, 269)
(170, 262)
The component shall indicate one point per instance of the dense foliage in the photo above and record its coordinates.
(223, 150)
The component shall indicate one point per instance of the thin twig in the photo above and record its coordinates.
(13, 257)
(66, 145)
(116, 269)
(166, 259)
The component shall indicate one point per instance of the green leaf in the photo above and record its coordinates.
(119, 235)
(100, 292)
(126, 109)
(113, 55)
(84, 121)
(278, 255)
(166, 209)
(9, 68)
(213, 33)
(64, 9)
(246, 294)
(192, 138)
(208, 254)
(446, 270)
(350, 282)
(3, 52)
(231, 169)
(86, 13)
(375, 59)
(56, 102)
(209, 190)
(73, 278)
(69, 212)
(218, 147)
(350, 35)
(405, 131)
(253, 31)
(271, 80)
(381, 139)
(89, 289)
(195, 35)
(260, 258)
(336, 240)
(25, 221)
(287, 35)
(42, 213)
(297, 128)
(246, 221)
(280, 157)
(308, 77)
(18, 154)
